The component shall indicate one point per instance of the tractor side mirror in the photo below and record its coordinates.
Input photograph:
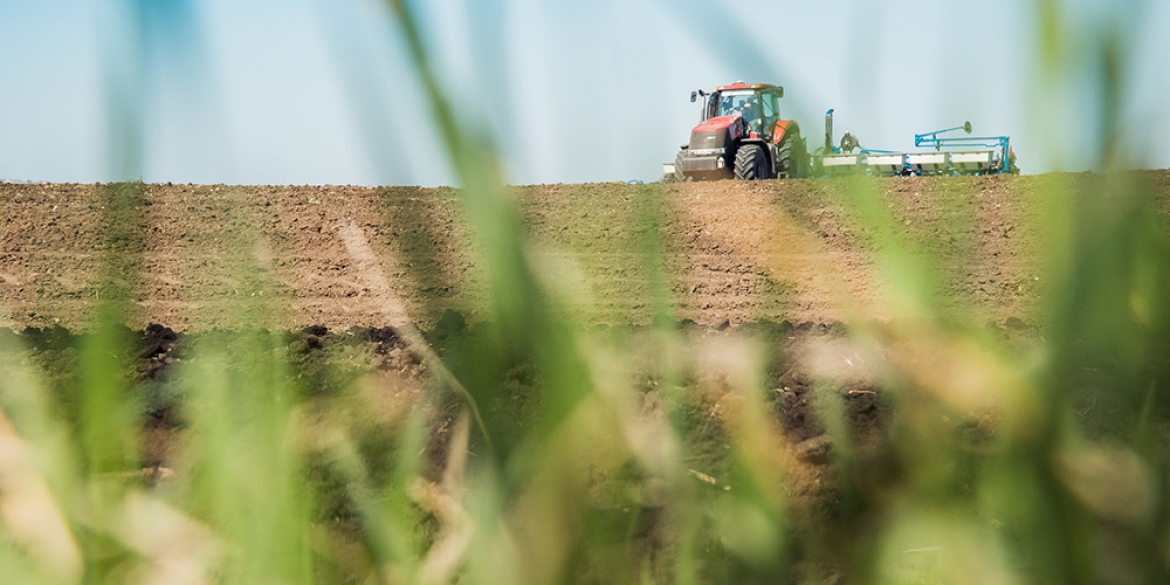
(694, 96)
(967, 127)
(779, 92)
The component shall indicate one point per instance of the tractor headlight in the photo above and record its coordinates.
(719, 163)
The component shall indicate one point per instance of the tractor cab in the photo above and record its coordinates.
(740, 134)
(759, 105)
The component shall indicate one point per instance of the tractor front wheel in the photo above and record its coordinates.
(751, 163)
(679, 175)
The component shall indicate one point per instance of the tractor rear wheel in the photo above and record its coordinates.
(791, 157)
(751, 163)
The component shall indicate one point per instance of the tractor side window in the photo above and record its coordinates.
(771, 108)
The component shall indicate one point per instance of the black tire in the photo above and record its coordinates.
(792, 158)
(679, 176)
(751, 163)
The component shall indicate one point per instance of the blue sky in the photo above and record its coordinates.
(320, 91)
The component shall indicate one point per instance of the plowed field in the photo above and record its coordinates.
(347, 256)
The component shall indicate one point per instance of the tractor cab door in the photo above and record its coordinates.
(713, 101)
(770, 104)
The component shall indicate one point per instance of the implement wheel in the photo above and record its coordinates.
(751, 163)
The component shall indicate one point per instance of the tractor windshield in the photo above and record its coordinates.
(759, 109)
(735, 102)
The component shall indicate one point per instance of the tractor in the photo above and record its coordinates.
(741, 135)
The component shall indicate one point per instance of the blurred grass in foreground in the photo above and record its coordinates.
(539, 450)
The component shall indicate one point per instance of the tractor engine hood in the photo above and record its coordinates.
(716, 133)
(717, 123)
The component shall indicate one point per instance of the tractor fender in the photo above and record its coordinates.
(782, 128)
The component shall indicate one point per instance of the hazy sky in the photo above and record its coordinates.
(320, 91)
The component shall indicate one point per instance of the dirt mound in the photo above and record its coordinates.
(325, 362)
(215, 256)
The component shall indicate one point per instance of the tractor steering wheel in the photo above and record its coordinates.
(750, 112)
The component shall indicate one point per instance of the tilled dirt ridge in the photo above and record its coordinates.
(369, 381)
(326, 362)
(283, 257)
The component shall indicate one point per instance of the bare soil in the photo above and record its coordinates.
(730, 251)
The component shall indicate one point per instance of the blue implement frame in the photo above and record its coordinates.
(909, 166)
(1003, 143)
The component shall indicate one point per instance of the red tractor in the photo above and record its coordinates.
(742, 135)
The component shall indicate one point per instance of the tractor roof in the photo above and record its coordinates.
(742, 85)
